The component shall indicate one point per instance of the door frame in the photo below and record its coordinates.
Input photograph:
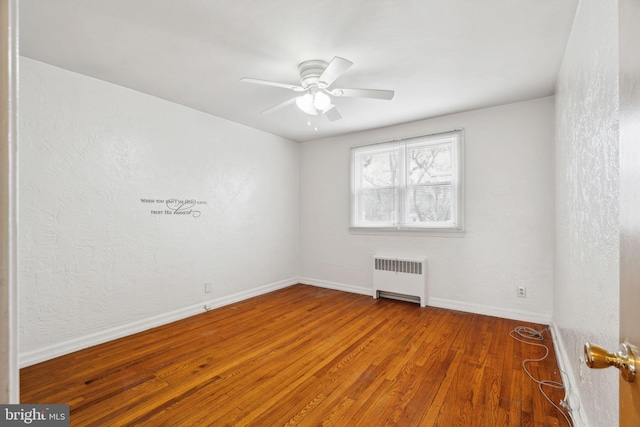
(9, 380)
(629, 131)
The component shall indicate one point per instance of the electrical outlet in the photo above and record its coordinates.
(207, 287)
(521, 292)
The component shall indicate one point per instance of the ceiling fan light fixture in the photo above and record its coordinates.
(321, 101)
(306, 104)
(313, 102)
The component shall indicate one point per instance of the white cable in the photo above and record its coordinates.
(521, 333)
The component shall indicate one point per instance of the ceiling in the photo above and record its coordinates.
(439, 56)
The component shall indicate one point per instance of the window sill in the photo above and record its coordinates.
(407, 231)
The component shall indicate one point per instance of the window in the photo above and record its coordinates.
(409, 184)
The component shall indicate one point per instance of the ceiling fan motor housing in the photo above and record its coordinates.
(310, 72)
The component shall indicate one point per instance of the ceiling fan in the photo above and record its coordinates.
(316, 77)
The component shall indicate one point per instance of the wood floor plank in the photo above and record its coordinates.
(306, 356)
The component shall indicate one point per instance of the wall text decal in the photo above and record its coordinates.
(175, 206)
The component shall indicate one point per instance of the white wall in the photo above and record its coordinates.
(95, 263)
(509, 215)
(586, 294)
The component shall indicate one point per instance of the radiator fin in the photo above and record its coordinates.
(400, 266)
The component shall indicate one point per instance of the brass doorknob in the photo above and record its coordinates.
(624, 359)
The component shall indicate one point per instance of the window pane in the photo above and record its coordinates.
(429, 164)
(411, 183)
(379, 170)
(378, 205)
(429, 203)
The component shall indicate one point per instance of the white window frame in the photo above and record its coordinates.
(400, 222)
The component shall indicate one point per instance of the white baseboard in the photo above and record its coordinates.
(336, 286)
(569, 380)
(524, 316)
(505, 313)
(75, 344)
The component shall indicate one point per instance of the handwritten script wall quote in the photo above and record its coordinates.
(175, 206)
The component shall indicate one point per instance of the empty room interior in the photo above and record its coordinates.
(313, 213)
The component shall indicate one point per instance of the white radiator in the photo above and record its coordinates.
(400, 278)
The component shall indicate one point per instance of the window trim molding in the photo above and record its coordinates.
(437, 230)
(408, 231)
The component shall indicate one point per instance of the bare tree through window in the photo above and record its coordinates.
(411, 183)
(429, 184)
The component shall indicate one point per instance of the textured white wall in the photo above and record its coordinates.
(587, 259)
(92, 256)
(509, 214)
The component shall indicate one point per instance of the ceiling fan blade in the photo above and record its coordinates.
(332, 114)
(364, 93)
(270, 83)
(335, 69)
(281, 105)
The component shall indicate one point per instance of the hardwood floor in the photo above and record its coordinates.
(307, 356)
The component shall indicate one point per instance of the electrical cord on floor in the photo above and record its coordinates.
(523, 333)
